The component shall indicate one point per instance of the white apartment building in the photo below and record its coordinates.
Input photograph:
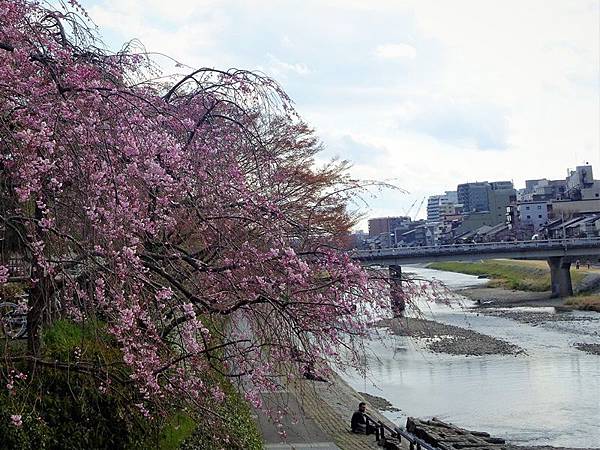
(438, 205)
(534, 214)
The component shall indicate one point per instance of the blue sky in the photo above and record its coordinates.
(426, 93)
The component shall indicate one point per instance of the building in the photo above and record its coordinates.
(438, 205)
(500, 195)
(534, 215)
(452, 196)
(476, 197)
(484, 196)
(473, 196)
(420, 235)
(581, 177)
(448, 209)
(379, 225)
(501, 185)
(569, 208)
(433, 207)
(543, 189)
(474, 221)
(581, 184)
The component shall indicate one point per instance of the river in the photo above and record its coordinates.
(550, 396)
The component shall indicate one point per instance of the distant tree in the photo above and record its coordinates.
(188, 215)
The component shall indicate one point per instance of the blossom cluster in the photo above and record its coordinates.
(189, 217)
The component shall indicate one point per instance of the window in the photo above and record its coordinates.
(539, 216)
(539, 206)
(529, 217)
(527, 208)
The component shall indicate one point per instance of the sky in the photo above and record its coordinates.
(421, 93)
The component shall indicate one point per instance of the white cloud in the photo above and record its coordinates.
(277, 67)
(396, 51)
(286, 41)
(190, 39)
(519, 82)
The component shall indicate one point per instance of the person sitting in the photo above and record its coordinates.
(360, 423)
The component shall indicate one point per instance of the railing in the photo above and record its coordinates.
(548, 244)
(398, 433)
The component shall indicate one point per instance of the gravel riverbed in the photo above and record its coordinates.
(379, 402)
(594, 349)
(450, 339)
(536, 318)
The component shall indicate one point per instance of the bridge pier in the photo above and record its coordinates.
(398, 304)
(560, 276)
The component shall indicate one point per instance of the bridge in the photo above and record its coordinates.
(559, 253)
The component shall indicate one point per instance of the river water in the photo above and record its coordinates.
(550, 396)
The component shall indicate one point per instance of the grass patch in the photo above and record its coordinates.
(584, 302)
(177, 429)
(65, 408)
(509, 274)
(238, 428)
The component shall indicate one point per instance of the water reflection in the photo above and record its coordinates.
(551, 396)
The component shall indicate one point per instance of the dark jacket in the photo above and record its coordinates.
(358, 423)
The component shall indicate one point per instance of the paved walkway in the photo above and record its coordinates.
(319, 417)
(301, 431)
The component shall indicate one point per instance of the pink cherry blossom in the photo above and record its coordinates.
(16, 420)
(189, 216)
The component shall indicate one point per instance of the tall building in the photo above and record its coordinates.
(501, 185)
(473, 196)
(452, 196)
(500, 195)
(438, 205)
(486, 196)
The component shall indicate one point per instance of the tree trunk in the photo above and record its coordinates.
(39, 297)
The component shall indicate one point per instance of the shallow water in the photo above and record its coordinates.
(550, 396)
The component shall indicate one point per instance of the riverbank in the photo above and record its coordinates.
(493, 297)
(503, 273)
(520, 275)
(330, 405)
(472, 391)
(515, 283)
(496, 297)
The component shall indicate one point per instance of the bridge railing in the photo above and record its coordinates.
(480, 247)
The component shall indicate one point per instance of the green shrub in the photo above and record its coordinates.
(238, 426)
(65, 410)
